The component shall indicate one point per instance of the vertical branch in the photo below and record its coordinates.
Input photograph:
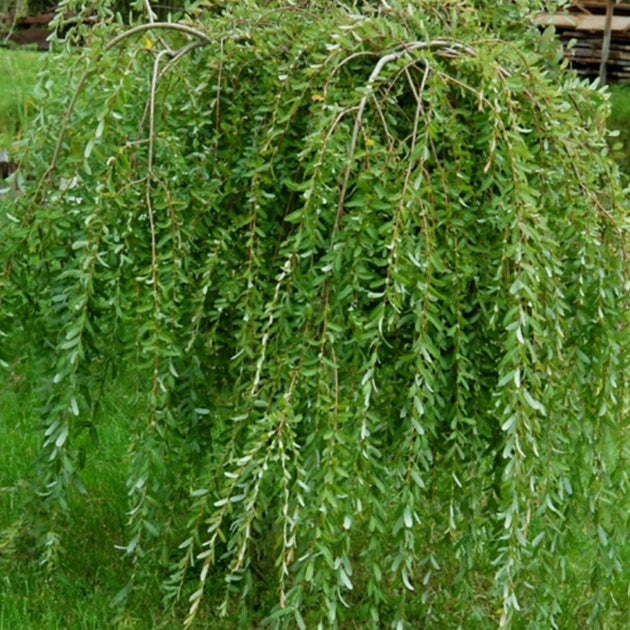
(149, 11)
(606, 42)
(149, 204)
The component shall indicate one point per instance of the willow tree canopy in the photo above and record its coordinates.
(365, 265)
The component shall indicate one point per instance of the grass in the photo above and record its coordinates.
(620, 121)
(18, 74)
(90, 570)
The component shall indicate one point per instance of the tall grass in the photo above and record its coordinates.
(18, 73)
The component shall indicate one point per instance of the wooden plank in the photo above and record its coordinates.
(598, 23)
(622, 8)
(614, 54)
(41, 18)
(31, 35)
(558, 20)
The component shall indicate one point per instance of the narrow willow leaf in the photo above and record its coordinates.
(61, 438)
(532, 402)
(74, 407)
(345, 580)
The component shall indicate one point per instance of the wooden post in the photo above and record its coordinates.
(606, 42)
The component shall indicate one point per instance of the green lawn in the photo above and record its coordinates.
(90, 570)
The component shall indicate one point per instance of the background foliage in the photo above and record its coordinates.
(362, 271)
(18, 74)
(619, 120)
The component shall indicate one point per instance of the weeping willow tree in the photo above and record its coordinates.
(364, 267)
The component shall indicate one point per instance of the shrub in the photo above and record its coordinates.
(366, 269)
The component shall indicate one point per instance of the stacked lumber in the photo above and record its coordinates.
(32, 30)
(581, 31)
(35, 30)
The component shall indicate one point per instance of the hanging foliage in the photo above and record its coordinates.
(366, 268)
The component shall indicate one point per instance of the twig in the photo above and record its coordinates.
(149, 10)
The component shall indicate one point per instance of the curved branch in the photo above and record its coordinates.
(141, 28)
